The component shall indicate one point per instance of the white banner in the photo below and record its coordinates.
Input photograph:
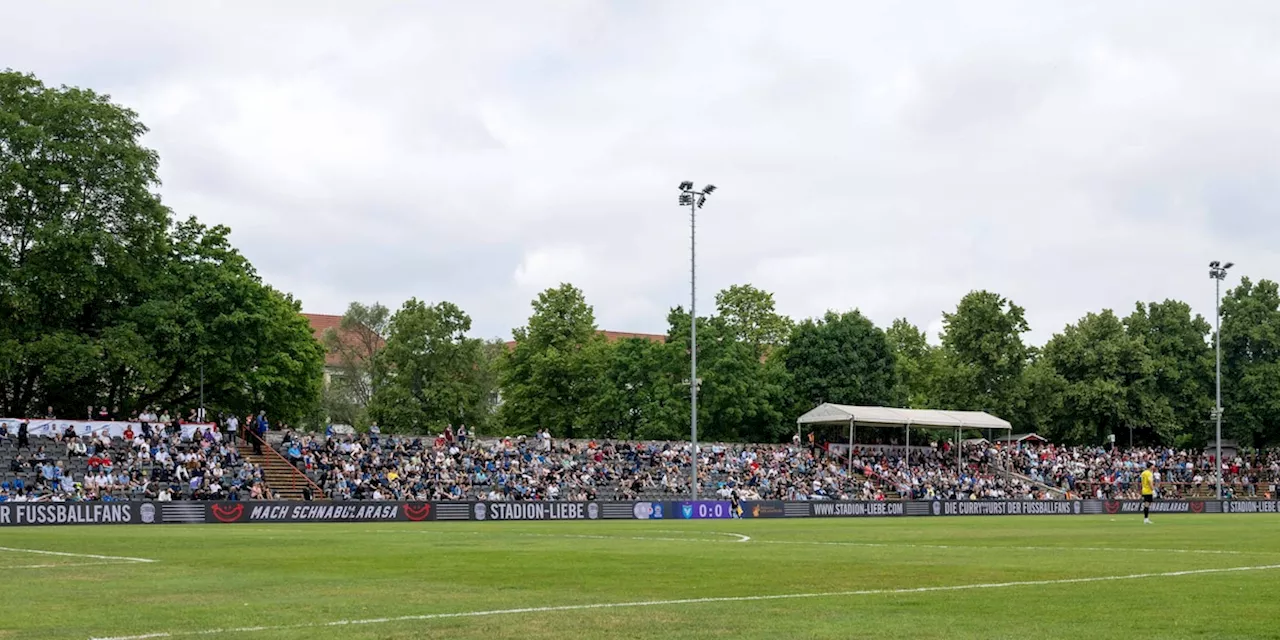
(48, 428)
(842, 448)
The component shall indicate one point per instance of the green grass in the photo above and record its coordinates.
(227, 576)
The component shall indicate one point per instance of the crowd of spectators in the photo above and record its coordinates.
(159, 462)
(937, 472)
(1108, 472)
(453, 467)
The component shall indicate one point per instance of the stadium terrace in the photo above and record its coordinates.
(201, 462)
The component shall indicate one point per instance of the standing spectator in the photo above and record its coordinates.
(23, 441)
(375, 432)
(48, 413)
(261, 431)
(233, 426)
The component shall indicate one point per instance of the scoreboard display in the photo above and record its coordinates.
(704, 509)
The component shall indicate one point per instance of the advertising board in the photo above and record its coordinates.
(190, 512)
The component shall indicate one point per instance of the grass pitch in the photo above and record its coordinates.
(1189, 576)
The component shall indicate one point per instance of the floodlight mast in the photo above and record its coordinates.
(693, 199)
(1218, 272)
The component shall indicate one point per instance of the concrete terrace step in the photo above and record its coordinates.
(284, 480)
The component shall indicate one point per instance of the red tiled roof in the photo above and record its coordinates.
(322, 322)
(614, 336)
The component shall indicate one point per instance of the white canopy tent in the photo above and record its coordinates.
(906, 419)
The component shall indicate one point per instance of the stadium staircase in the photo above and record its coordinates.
(1056, 493)
(284, 480)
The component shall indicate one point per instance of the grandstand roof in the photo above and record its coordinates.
(828, 413)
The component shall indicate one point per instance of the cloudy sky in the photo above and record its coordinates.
(1071, 155)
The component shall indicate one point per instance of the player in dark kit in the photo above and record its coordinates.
(1148, 491)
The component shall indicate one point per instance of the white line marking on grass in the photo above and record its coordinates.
(655, 538)
(995, 548)
(252, 529)
(59, 566)
(442, 532)
(891, 545)
(684, 601)
(75, 555)
(739, 536)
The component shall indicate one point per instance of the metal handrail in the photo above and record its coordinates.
(294, 472)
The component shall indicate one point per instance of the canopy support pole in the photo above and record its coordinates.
(959, 464)
(849, 467)
(1008, 482)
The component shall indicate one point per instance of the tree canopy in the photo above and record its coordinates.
(428, 375)
(843, 358)
(107, 298)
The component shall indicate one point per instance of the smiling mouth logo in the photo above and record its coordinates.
(1112, 507)
(417, 514)
(228, 514)
(1197, 507)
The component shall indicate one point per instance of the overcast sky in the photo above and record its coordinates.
(1072, 156)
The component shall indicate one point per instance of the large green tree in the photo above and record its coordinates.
(630, 400)
(105, 298)
(750, 317)
(1177, 342)
(1109, 386)
(489, 381)
(1251, 362)
(741, 396)
(428, 372)
(843, 358)
(915, 365)
(983, 355)
(552, 377)
(355, 345)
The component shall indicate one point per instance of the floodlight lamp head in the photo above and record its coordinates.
(686, 185)
(686, 199)
(701, 201)
(1228, 265)
(708, 189)
(1214, 264)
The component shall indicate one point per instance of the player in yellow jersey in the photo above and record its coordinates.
(1148, 491)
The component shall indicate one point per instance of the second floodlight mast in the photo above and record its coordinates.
(1218, 271)
(694, 199)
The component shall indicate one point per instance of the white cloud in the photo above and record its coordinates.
(1071, 156)
(548, 267)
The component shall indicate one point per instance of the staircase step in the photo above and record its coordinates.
(285, 480)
